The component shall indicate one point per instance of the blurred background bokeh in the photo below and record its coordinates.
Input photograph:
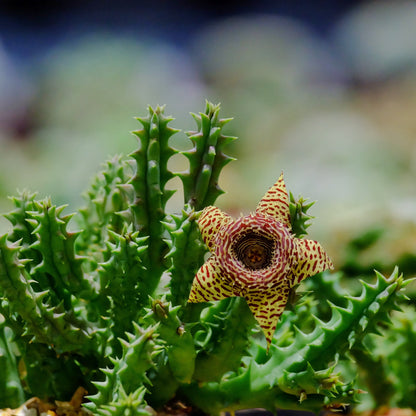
(324, 91)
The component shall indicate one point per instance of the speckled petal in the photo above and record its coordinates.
(276, 203)
(208, 285)
(267, 308)
(210, 221)
(312, 259)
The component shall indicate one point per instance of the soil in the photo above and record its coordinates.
(38, 407)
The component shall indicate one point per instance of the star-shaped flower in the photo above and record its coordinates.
(256, 257)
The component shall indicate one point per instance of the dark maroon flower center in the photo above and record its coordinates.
(254, 250)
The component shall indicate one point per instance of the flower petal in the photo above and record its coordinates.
(267, 308)
(275, 203)
(208, 285)
(312, 259)
(210, 221)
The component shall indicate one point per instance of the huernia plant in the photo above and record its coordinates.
(130, 307)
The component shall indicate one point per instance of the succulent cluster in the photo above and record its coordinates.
(106, 307)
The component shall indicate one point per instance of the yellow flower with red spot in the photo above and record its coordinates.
(256, 257)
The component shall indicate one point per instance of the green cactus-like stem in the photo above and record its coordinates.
(47, 249)
(132, 404)
(178, 341)
(22, 229)
(123, 290)
(176, 364)
(124, 385)
(372, 368)
(242, 392)
(42, 363)
(106, 198)
(149, 182)
(22, 232)
(206, 159)
(327, 286)
(164, 385)
(405, 367)
(56, 247)
(395, 351)
(373, 372)
(46, 324)
(299, 217)
(11, 390)
(225, 339)
(300, 370)
(345, 329)
(186, 254)
(53, 277)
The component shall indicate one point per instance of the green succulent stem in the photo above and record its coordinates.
(187, 251)
(229, 324)
(299, 217)
(177, 340)
(300, 369)
(124, 291)
(206, 158)
(47, 324)
(373, 372)
(11, 389)
(106, 198)
(149, 183)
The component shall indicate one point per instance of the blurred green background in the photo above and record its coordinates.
(325, 94)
